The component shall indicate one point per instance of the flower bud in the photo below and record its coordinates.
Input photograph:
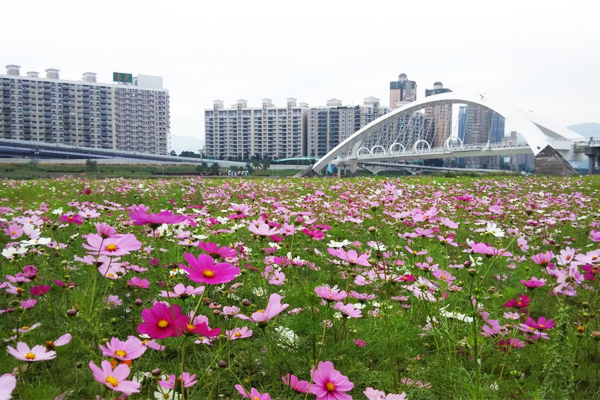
(156, 372)
(222, 364)
(472, 271)
(78, 365)
(246, 302)
(71, 312)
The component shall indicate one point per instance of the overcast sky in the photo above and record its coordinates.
(542, 56)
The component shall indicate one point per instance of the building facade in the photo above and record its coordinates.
(268, 131)
(402, 91)
(479, 125)
(330, 125)
(439, 118)
(85, 113)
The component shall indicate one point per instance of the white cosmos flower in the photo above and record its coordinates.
(58, 211)
(223, 220)
(494, 230)
(11, 252)
(36, 242)
(200, 237)
(258, 292)
(273, 244)
(455, 315)
(336, 245)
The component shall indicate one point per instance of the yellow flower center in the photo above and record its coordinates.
(121, 353)
(542, 326)
(13, 233)
(49, 344)
(112, 381)
(145, 341)
(71, 217)
(191, 327)
(330, 387)
(25, 328)
(261, 311)
(30, 356)
(111, 275)
(207, 273)
(163, 323)
(20, 290)
(238, 334)
(111, 247)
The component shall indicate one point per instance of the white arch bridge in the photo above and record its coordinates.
(423, 130)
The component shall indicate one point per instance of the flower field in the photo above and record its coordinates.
(412, 288)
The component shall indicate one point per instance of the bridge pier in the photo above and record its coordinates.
(593, 154)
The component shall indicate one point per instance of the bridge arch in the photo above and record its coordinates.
(537, 133)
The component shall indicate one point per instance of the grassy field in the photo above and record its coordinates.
(423, 287)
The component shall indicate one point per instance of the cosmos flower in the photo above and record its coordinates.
(533, 283)
(330, 293)
(373, 394)
(130, 349)
(118, 245)
(522, 302)
(330, 384)
(203, 269)
(37, 353)
(161, 321)
(262, 317)
(253, 394)
(8, 383)
(115, 379)
(348, 310)
(173, 382)
(238, 333)
(182, 291)
(139, 215)
(297, 385)
(213, 248)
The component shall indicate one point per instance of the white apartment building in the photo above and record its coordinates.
(267, 131)
(133, 117)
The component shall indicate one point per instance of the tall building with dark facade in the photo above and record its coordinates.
(439, 117)
(85, 113)
(402, 91)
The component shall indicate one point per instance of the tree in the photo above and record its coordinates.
(266, 164)
(173, 153)
(214, 168)
(249, 168)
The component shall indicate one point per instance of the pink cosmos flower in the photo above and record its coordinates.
(595, 236)
(348, 310)
(330, 293)
(511, 343)
(278, 278)
(566, 256)
(415, 252)
(288, 229)
(198, 326)
(238, 333)
(88, 213)
(373, 394)
(14, 231)
(542, 259)
(173, 382)
(522, 302)
(161, 321)
(203, 269)
(37, 353)
(8, 383)
(182, 291)
(263, 230)
(262, 317)
(213, 248)
(360, 296)
(350, 256)
(105, 231)
(360, 342)
(139, 215)
(40, 290)
(61, 341)
(533, 283)
(131, 349)
(29, 271)
(253, 394)
(118, 245)
(541, 324)
(137, 282)
(330, 384)
(425, 216)
(297, 385)
(113, 300)
(71, 219)
(443, 276)
(115, 380)
(29, 303)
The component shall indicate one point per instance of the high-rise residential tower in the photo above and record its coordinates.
(330, 125)
(131, 117)
(439, 117)
(402, 91)
(267, 131)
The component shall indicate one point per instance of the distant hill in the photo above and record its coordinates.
(184, 143)
(591, 129)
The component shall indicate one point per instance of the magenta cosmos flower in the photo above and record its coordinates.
(533, 283)
(522, 302)
(137, 282)
(37, 353)
(330, 384)
(274, 307)
(131, 349)
(115, 380)
(330, 293)
(161, 321)
(71, 219)
(139, 215)
(118, 245)
(213, 248)
(541, 324)
(198, 326)
(8, 383)
(293, 382)
(203, 269)
(253, 394)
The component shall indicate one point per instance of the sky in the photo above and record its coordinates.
(537, 55)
